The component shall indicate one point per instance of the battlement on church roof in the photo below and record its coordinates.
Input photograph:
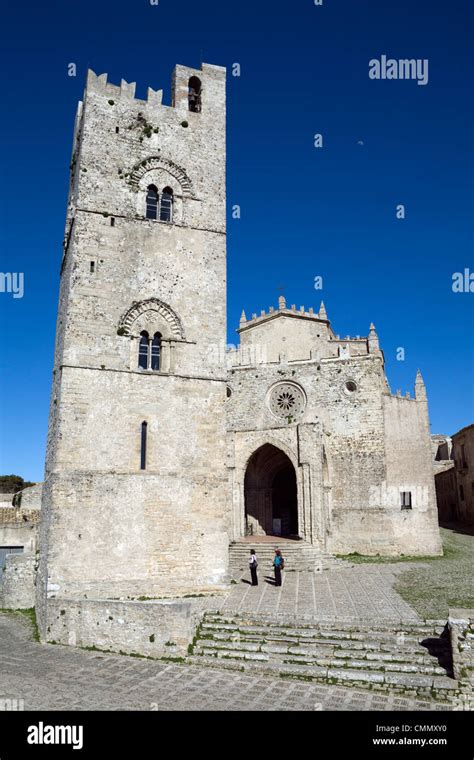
(282, 309)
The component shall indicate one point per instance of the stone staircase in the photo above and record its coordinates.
(299, 555)
(387, 656)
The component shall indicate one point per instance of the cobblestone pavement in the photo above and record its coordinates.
(51, 677)
(364, 593)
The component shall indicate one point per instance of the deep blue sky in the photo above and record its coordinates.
(305, 212)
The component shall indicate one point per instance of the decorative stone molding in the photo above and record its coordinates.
(157, 162)
(286, 400)
(153, 305)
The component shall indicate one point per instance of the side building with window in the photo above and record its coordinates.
(135, 494)
(19, 523)
(454, 476)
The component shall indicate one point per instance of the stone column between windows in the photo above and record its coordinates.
(165, 355)
(171, 354)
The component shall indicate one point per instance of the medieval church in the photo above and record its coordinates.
(163, 451)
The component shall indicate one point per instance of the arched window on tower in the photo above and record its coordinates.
(152, 202)
(143, 350)
(156, 352)
(166, 205)
(194, 95)
(149, 351)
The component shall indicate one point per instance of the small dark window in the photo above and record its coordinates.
(112, 221)
(194, 95)
(405, 500)
(143, 350)
(156, 351)
(229, 392)
(166, 205)
(143, 446)
(116, 130)
(92, 267)
(152, 202)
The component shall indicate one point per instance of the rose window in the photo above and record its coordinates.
(287, 400)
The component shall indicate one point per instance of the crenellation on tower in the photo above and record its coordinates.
(154, 97)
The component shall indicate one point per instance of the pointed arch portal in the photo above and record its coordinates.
(271, 502)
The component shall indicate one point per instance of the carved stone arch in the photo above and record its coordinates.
(268, 440)
(151, 305)
(157, 162)
(271, 492)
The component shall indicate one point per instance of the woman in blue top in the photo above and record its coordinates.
(278, 564)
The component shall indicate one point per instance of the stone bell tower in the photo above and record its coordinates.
(135, 484)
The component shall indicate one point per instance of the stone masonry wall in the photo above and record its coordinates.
(17, 590)
(348, 430)
(409, 468)
(109, 527)
(354, 451)
(464, 440)
(155, 628)
(461, 631)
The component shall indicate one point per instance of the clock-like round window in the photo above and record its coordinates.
(287, 400)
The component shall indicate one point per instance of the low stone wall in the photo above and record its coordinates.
(17, 589)
(157, 628)
(461, 631)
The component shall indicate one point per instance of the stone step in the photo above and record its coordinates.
(345, 624)
(370, 650)
(375, 653)
(423, 684)
(268, 556)
(298, 556)
(373, 644)
(260, 619)
(276, 631)
(269, 549)
(340, 651)
(324, 659)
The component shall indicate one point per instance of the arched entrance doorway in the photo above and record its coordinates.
(271, 503)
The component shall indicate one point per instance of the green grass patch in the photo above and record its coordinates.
(147, 598)
(445, 582)
(173, 659)
(296, 677)
(362, 559)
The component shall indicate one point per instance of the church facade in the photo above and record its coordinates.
(319, 447)
(161, 451)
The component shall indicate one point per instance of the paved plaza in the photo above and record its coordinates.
(363, 593)
(49, 677)
(52, 677)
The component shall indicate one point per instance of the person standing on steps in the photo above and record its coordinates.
(278, 565)
(253, 564)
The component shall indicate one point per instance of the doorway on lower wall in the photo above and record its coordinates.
(271, 501)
